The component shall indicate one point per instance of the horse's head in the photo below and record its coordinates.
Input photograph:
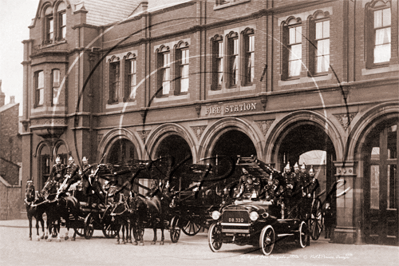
(49, 188)
(30, 191)
(120, 207)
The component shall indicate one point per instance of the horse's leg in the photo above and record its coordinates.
(117, 233)
(154, 240)
(37, 227)
(162, 229)
(30, 225)
(123, 233)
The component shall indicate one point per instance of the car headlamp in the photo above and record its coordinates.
(253, 216)
(215, 215)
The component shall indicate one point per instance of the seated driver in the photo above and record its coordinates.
(249, 186)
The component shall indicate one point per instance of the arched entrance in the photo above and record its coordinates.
(381, 199)
(121, 151)
(303, 142)
(234, 143)
(175, 146)
(44, 165)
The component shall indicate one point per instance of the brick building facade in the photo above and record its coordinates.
(11, 199)
(276, 79)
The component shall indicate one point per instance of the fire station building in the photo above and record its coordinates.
(119, 80)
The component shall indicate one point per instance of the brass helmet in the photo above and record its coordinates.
(311, 171)
(303, 168)
(71, 160)
(58, 160)
(296, 168)
(287, 168)
(244, 171)
(84, 160)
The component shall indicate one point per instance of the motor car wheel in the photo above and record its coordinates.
(267, 240)
(215, 237)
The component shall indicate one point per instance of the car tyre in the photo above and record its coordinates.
(267, 240)
(303, 234)
(215, 237)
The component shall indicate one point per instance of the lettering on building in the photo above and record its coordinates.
(225, 109)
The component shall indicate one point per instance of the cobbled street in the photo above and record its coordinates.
(16, 249)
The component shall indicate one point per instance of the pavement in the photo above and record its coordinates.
(16, 249)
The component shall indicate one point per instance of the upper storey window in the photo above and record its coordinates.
(379, 34)
(233, 51)
(292, 48)
(61, 13)
(39, 88)
(54, 23)
(249, 64)
(114, 69)
(49, 25)
(56, 76)
(131, 77)
(319, 48)
(217, 62)
(182, 68)
(382, 35)
(163, 58)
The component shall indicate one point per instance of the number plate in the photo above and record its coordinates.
(235, 217)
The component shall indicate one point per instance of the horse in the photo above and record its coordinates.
(120, 214)
(62, 205)
(34, 208)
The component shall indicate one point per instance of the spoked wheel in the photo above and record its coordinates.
(80, 231)
(316, 221)
(88, 226)
(303, 229)
(174, 230)
(215, 237)
(267, 240)
(190, 227)
(108, 229)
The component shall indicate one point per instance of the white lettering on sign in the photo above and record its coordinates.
(229, 108)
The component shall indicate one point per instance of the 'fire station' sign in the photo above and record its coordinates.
(226, 108)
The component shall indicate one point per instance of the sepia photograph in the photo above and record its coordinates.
(199, 132)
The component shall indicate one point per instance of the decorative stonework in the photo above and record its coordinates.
(48, 121)
(198, 130)
(344, 120)
(143, 134)
(99, 138)
(345, 170)
(265, 125)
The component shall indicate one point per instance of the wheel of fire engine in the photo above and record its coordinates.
(80, 231)
(303, 228)
(109, 230)
(174, 229)
(316, 222)
(267, 240)
(190, 227)
(88, 226)
(215, 237)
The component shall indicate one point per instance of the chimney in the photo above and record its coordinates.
(12, 99)
(2, 96)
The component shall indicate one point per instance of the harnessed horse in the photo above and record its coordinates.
(34, 208)
(61, 205)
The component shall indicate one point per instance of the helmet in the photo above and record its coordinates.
(71, 160)
(311, 171)
(296, 168)
(287, 167)
(84, 160)
(244, 171)
(303, 167)
(58, 160)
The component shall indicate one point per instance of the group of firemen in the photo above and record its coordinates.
(70, 174)
(294, 190)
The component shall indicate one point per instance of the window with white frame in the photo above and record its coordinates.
(49, 25)
(233, 57)
(114, 73)
(182, 70)
(56, 80)
(295, 50)
(39, 88)
(164, 73)
(61, 13)
(382, 35)
(322, 46)
(249, 64)
(131, 78)
(217, 62)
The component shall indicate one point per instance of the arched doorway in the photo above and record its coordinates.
(121, 151)
(307, 143)
(62, 153)
(234, 143)
(175, 146)
(381, 199)
(44, 165)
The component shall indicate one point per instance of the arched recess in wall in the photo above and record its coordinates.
(61, 149)
(43, 159)
(162, 136)
(215, 132)
(297, 119)
(111, 137)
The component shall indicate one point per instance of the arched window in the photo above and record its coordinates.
(182, 68)
(292, 48)
(320, 50)
(61, 14)
(48, 25)
(217, 62)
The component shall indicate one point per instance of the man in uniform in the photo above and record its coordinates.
(249, 186)
(72, 174)
(304, 183)
(289, 179)
(57, 171)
